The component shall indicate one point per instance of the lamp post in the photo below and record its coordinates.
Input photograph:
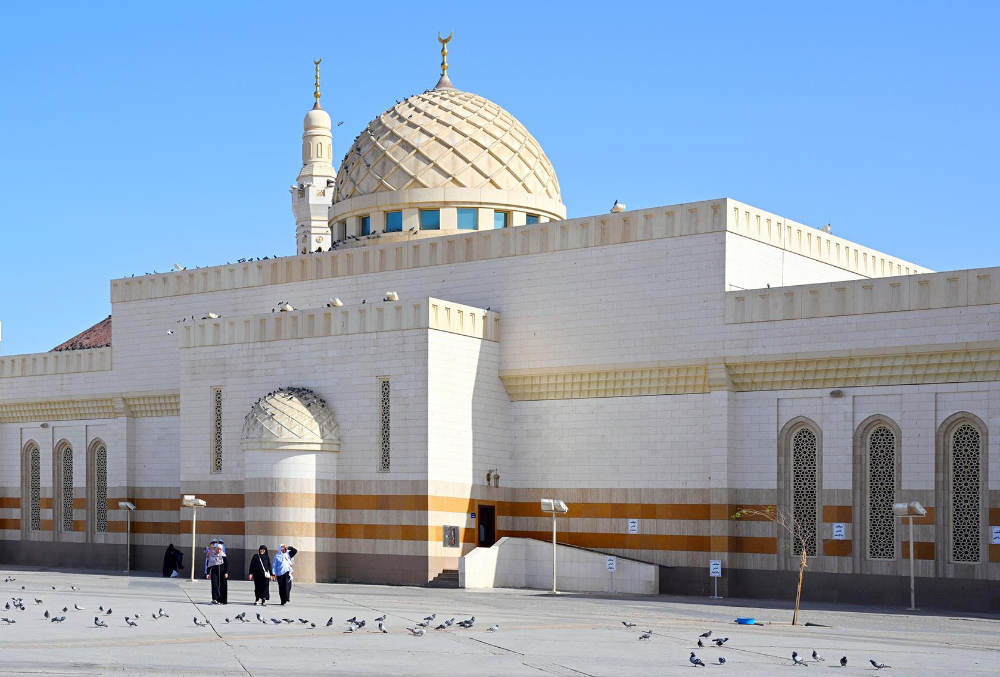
(194, 503)
(910, 510)
(129, 508)
(556, 507)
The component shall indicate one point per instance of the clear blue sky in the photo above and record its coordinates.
(138, 135)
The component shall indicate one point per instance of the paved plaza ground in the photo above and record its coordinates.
(539, 634)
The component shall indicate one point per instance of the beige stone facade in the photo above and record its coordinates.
(667, 365)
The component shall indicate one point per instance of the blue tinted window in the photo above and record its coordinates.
(468, 219)
(393, 222)
(501, 219)
(530, 219)
(430, 219)
(366, 225)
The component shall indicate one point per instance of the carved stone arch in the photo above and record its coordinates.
(31, 488)
(97, 488)
(786, 473)
(862, 490)
(943, 494)
(62, 487)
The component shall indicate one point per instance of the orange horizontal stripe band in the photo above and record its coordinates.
(10, 502)
(921, 550)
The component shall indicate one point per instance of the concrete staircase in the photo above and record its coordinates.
(446, 579)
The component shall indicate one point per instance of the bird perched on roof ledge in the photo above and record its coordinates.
(285, 308)
(334, 303)
(391, 296)
(617, 207)
(827, 228)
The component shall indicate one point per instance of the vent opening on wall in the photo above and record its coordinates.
(216, 430)
(384, 443)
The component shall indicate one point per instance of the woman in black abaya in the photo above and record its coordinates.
(260, 574)
(218, 572)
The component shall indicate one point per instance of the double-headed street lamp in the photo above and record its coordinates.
(193, 502)
(911, 510)
(556, 507)
(129, 508)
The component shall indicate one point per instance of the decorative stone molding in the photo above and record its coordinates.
(138, 406)
(425, 313)
(925, 291)
(400, 253)
(950, 363)
(610, 381)
(915, 365)
(49, 364)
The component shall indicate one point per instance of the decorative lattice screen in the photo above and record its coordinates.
(101, 489)
(217, 430)
(383, 434)
(67, 489)
(881, 493)
(965, 498)
(804, 486)
(35, 488)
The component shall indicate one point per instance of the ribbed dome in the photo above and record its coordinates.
(445, 138)
(290, 416)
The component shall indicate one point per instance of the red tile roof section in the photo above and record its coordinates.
(98, 336)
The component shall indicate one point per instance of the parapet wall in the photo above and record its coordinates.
(694, 218)
(425, 313)
(64, 362)
(925, 291)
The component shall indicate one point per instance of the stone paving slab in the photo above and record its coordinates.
(540, 634)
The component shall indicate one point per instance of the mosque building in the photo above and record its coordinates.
(445, 347)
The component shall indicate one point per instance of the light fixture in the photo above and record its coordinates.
(193, 502)
(556, 507)
(836, 393)
(910, 510)
(128, 508)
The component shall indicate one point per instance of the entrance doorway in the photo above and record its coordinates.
(487, 527)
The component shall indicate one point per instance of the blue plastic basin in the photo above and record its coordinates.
(746, 621)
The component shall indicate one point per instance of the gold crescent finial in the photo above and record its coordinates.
(444, 51)
(317, 93)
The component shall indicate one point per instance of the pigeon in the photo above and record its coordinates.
(78, 607)
(843, 661)
(353, 620)
(334, 303)
(797, 659)
(136, 617)
(46, 613)
(441, 627)
(701, 644)
(53, 587)
(381, 627)
(8, 621)
(328, 623)
(722, 660)
(423, 624)
(695, 661)
(381, 618)
(276, 621)
(706, 634)
(38, 601)
(65, 609)
(8, 606)
(73, 587)
(719, 641)
(259, 618)
(645, 635)
(617, 207)
(288, 620)
(467, 624)
(817, 657)
(100, 608)
(163, 614)
(99, 623)
(108, 612)
(360, 624)
(199, 623)
(57, 619)
(227, 620)
(351, 628)
(212, 316)
(628, 625)
(129, 622)
(418, 632)
(877, 665)
(493, 628)
(303, 621)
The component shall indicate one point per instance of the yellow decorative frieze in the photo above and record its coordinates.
(138, 406)
(610, 381)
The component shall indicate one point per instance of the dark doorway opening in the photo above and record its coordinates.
(487, 527)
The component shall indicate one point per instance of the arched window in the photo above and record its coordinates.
(966, 494)
(31, 492)
(64, 494)
(98, 487)
(881, 453)
(805, 487)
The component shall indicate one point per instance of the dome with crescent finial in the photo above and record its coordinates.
(446, 149)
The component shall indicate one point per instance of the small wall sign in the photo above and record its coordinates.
(633, 526)
(839, 531)
(996, 535)
(472, 515)
(715, 568)
(611, 563)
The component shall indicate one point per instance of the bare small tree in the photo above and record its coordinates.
(785, 520)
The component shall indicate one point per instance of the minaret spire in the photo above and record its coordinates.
(317, 93)
(445, 81)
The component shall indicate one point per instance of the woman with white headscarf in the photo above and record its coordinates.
(218, 572)
(281, 571)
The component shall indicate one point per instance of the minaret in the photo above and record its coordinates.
(312, 194)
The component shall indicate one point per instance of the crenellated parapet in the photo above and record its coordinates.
(382, 316)
(53, 363)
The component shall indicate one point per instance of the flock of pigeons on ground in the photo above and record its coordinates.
(355, 625)
(720, 641)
